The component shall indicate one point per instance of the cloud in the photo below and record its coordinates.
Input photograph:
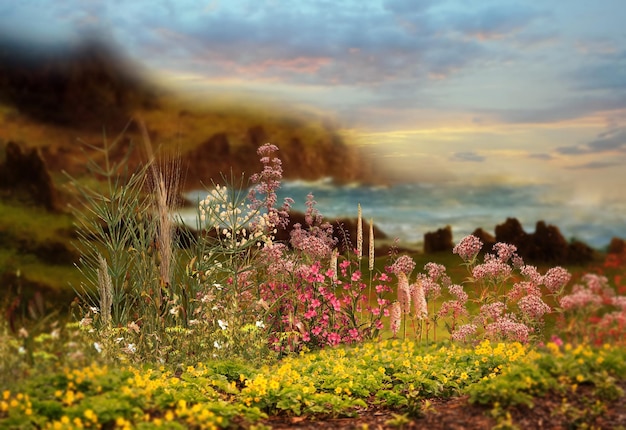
(596, 165)
(541, 156)
(609, 141)
(469, 156)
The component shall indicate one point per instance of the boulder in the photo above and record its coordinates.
(438, 241)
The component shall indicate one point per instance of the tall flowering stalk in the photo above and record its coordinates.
(359, 234)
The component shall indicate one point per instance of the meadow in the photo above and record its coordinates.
(239, 330)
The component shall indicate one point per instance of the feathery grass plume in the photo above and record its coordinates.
(359, 234)
(105, 290)
(371, 244)
(333, 263)
(165, 193)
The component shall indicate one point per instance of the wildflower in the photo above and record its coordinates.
(130, 348)
(556, 278)
(404, 264)
(97, 346)
(492, 310)
(223, 324)
(133, 326)
(419, 301)
(404, 292)
(260, 324)
(507, 328)
(396, 313)
(492, 268)
(371, 244)
(216, 345)
(437, 272)
(504, 250)
(533, 306)
(532, 274)
(464, 333)
(359, 233)
(468, 248)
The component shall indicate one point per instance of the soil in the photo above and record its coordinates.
(549, 412)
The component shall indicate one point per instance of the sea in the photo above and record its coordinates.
(407, 211)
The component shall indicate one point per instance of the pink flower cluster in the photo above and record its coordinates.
(468, 248)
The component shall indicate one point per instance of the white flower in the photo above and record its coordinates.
(260, 324)
(223, 324)
(21, 350)
(97, 346)
(131, 348)
(119, 339)
(174, 311)
(216, 345)
(85, 322)
(94, 309)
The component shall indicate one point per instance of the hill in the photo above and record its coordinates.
(51, 98)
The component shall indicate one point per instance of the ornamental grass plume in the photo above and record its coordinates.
(105, 291)
(371, 246)
(359, 234)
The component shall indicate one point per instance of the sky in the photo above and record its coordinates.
(521, 92)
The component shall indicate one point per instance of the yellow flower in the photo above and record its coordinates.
(6, 394)
(338, 390)
(90, 415)
(169, 416)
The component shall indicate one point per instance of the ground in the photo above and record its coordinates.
(549, 412)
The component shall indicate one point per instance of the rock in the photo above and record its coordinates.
(617, 246)
(547, 244)
(513, 233)
(438, 241)
(579, 253)
(24, 173)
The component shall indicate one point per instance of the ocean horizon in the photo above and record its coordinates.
(407, 211)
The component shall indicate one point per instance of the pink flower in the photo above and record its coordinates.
(418, 296)
(404, 293)
(556, 278)
(468, 248)
(504, 250)
(464, 332)
(533, 307)
(396, 314)
(404, 264)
